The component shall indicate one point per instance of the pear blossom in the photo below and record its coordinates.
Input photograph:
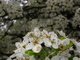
(54, 39)
(56, 43)
(45, 34)
(64, 58)
(20, 47)
(37, 32)
(33, 43)
(75, 58)
(37, 48)
(55, 57)
(18, 56)
(47, 58)
(62, 33)
(32, 58)
(53, 36)
(47, 42)
(65, 54)
(77, 44)
(78, 47)
(27, 35)
(29, 46)
(55, 46)
(65, 42)
(7, 1)
(21, 4)
(24, 1)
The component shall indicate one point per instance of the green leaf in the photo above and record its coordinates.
(70, 44)
(42, 54)
(62, 38)
(29, 52)
(56, 51)
(70, 58)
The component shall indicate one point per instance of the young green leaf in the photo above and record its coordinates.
(29, 52)
(62, 38)
(70, 44)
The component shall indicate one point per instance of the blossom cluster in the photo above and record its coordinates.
(43, 44)
(59, 5)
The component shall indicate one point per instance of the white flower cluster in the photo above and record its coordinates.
(59, 5)
(76, 17)
(22, 2)
(36, 40)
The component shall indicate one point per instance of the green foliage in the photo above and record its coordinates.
(62, 38)
(71, 58)
(70, 44)
(42, 54)
(29, 52)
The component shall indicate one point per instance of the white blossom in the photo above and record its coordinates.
(37, 32)
(55, 57)
(29, 46)
(37, 48)
(34, 40)
(47, 58)
(75, 58)
(65, 42)
(47, 42)
(62, 33)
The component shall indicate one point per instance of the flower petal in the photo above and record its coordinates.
(55, 46)
(37, 48)
(29, 46)
(47, 42)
